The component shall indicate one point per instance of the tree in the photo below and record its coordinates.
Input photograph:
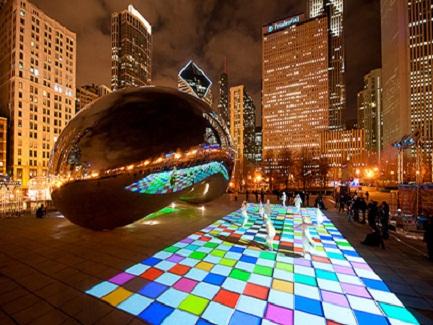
(304, 168)
(286, 162)
(323, 171)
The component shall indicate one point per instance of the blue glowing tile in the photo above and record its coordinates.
(375, 284)
(151, 261)
(364, 318)
(214, 279)
(168, 278)
(137, 269)
(180, 317)
(239, 317)
(349, 253)
(196, 274)
(205, 290)
(308, 305)
(237, 249)
(172, 297)
(248, 259)
(156, 313)
(135, 304)
(202, 321)
(153, 290)
(101, 289)
(217, 313)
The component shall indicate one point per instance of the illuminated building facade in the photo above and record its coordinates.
(3, 145)
(395, 70)
(223, 102)
(37, 85)
(131, 54)
(295, 104)
(334, 10)
(343, 150)
(370, 114)
(242, 128)
(420, 19)
(259, 144)
(88, 93)
(192, 80)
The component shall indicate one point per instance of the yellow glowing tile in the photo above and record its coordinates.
(204, 266)
(282, 285)
(117, 296)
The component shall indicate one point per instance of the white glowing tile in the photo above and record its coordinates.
(364, 304)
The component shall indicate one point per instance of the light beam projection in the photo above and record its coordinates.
(223, 274)
(176, 180)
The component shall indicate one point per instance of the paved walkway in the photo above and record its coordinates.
(47, 265)
(402, 265)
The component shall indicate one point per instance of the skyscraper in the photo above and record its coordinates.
(37, 84)
(223, 101)
(3, 145)
(88, 93)
(395, 70)
(131, 53)
(242, 128)
(337, 89)
(295, 104)
(370, 115)
(193, 80)
(259, 144)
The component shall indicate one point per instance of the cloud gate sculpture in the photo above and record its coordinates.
(135, 151)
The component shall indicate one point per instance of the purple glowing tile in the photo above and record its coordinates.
(185, 285)
(187, 241)
(335, 298)
(355, 290)
(343, 270)
(121, 278)
(279, 315)
(363, 266)
(175, 258)
(302, 261)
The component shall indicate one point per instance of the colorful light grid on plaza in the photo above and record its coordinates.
(177, 180)
(205, 280)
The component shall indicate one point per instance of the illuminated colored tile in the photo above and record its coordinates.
(248, 259)
(171, 249)
(151, 261)
(364, 318)
(375, 284)
(101, 289)
(204, 266)
(355, 290)
(185, 284)
(240, 274)
(198, 255)
(227, 298)
(268, 255)
(227, 262)
(222, 270)
(153, 290)
(256, 291)
(305, 279)
(326, 275)
(263, 270)
(234, 285)
(281, 285)
(335, 298)
(137, 269)
(308, 305)
(180, 317)
(151, 274)
(398, 312)
(284, 266)
(251, 305)
(135, 304)
(339, 314)
(279, 315)
(194, 304)
(205, 290)
(155, 313)
(117, 296)
(239, 317)
(168, 278)
(180, 269)
(214, 279)
(218, 253)
(364, 304)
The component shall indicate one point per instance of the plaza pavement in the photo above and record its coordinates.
(47, 264)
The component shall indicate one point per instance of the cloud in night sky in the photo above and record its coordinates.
(207, 31)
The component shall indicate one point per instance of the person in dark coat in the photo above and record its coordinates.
(384, 219)
(262, 196)
(428, 237)
(363, 208)
(256, 193)
(356, 203)
(372, 214)
(40, 212)
(247, 195)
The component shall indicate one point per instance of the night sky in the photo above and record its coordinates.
(207, 31)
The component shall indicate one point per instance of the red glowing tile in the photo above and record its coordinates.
(151, 274)
(227, 298)
(179, 269)
(256, 291)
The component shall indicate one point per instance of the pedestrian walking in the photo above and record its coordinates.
(270, 231)
(268, 209)
(244, 213)
(298, 202)
(283, 199)
(261, 209)
(372, 215)
(262, 195)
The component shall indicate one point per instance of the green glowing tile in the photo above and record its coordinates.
(305, 279)
(398, 312)
(210, 245)
(240, 274)
(285, 266)
(263, 270)
(268, 255)
(218, 253)
(198, 255)
(171, 249)
(193, 304)
(227, 262)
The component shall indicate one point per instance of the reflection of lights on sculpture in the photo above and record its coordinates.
(125, 156)
(173, 205)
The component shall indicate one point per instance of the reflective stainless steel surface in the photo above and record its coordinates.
(135, 151)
